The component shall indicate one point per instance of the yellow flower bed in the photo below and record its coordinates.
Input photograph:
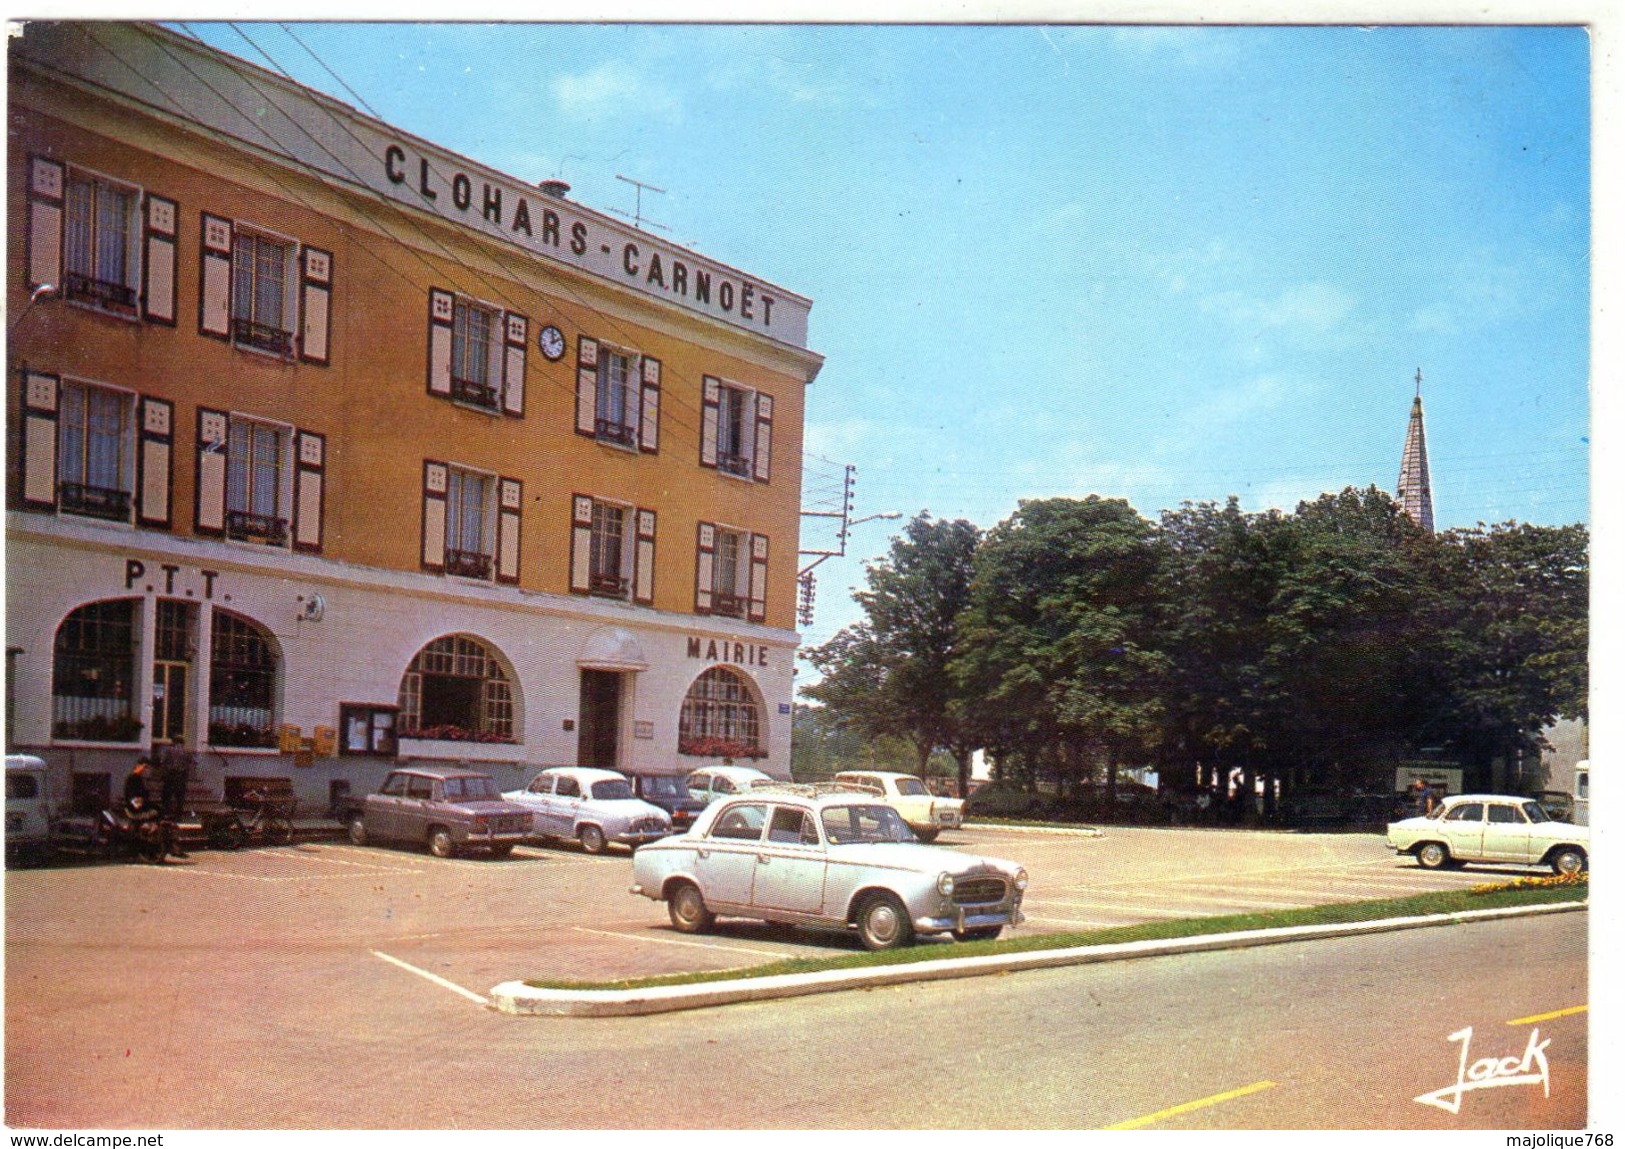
(1543, 882)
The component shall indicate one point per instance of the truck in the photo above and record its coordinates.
(449, 811)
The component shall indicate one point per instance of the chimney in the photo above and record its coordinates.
(556, 188)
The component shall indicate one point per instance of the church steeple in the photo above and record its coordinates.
(1415, 487)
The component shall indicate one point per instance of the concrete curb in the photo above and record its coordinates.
(518, 998)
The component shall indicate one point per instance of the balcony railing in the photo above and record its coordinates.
(609, 585)
(101, 292)
(733, 464)
(262, 337)
(621, 434)
(249, 527)
(97, 502)
(731, 605)
(468, 564)
(474, 393)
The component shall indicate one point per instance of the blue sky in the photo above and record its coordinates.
(1156, 263)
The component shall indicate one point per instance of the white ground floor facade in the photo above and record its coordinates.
(266, 663)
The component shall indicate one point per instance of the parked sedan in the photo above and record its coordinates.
(837, 861)
(926, 814)
(590, 806)
(1491, 828)
(670, 793)
(713, 782)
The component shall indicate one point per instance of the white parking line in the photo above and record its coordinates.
(434, 977)
(675, 942)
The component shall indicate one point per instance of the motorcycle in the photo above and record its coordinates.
(139, 833)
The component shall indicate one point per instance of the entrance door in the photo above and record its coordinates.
(600, 719)
(169, 702)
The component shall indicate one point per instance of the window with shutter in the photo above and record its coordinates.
(101, 242)
(95, 451)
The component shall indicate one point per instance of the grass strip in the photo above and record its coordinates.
(1523, 892)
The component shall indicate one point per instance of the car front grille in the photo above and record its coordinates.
(647, 825)
(512, 824)
(979, 891)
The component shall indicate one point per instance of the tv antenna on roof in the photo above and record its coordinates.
(637, 217)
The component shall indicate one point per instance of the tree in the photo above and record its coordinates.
(1058, 657)
(888, 675)
(1514, 636)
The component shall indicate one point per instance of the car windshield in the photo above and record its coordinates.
(1535, 812)
(845, 825)
(612, 788)
(474, 789)
(911, 787)
(664, 787)
(21, 786)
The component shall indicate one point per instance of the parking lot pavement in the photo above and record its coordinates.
(556, 912)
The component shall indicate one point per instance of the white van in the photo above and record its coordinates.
(1582, 794)
(28, 810)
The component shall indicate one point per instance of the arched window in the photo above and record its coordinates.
(93, 674)
(242, 683)
(456, 688)
(721, 717)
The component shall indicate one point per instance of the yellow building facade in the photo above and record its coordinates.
(329, 448)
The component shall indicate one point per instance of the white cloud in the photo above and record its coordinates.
(610, 88)
(1308, 307)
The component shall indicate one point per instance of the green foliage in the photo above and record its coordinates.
(1316, 648)
(887, 675)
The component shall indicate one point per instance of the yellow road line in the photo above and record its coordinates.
(1548, 1016)
(1152, 1118)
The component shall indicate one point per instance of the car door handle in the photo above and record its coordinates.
(703, 853)
(763, 860)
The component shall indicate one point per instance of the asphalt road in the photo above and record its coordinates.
(327, 986)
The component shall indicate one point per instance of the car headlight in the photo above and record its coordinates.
(1021, 880)
(945, 884)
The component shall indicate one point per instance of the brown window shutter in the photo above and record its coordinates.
(309, 490)
(155, 463)
(46, 187)
(762, 465)
(162, 225)
(435, 479)
(510, 505)
(645, 563)
(710, 405)
(587, 386)
(209, 516)
(705, 563)
(214, 291)
(440, 321)
(758, 578)
(316, 305)
(649, 432)
(516, 330)
(581, 544)
(41, 394)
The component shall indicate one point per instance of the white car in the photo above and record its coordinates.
(926, 814)
(832, 860)
(590, 806)
(712, 782)
(28, 810)
(1491, 828)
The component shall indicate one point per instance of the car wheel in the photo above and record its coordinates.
(1568, 861)
(502, 851)
(883, 923)
(440, 843)
(686, 906)
(927, 835)
(985, 934)
(358, 831)
(1432, 856)
(592, 839)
